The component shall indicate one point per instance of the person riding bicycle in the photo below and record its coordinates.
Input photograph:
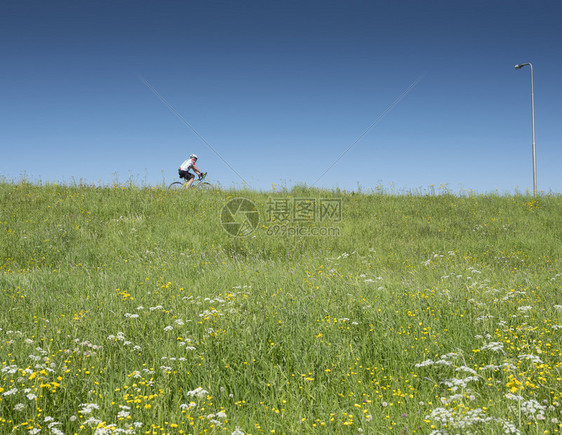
(186, 166)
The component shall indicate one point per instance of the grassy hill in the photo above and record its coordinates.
(129, 310)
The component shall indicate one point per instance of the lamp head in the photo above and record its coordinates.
(521, 65)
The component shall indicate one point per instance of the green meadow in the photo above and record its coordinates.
(132, 310)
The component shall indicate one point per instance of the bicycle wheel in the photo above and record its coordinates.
(206, 186)
(176, 185)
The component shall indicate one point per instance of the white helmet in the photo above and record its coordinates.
(193, 156)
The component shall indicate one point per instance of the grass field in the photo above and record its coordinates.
(132, 310)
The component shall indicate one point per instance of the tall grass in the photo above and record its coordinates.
(132, 310)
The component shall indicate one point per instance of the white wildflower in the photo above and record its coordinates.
(494, 346)
(532, 407)
(87, 408)
(510, 428)
(533, 358)
(92, 421)
(198, 392)
(425, 363)
(123, 414)
(11, 369)
(514, 397)
(466, 369)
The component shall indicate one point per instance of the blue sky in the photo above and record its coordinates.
(280, 89)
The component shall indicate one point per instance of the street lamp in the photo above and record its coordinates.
(521, 65)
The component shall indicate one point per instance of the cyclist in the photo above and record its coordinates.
(186, 166)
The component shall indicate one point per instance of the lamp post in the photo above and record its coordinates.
(521, 65)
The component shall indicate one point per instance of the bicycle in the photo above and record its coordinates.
(198, 183)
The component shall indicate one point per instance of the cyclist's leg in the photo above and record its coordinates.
(190, 178)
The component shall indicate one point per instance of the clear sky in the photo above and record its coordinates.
(280, 89)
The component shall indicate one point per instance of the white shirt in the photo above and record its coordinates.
(187, 165)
